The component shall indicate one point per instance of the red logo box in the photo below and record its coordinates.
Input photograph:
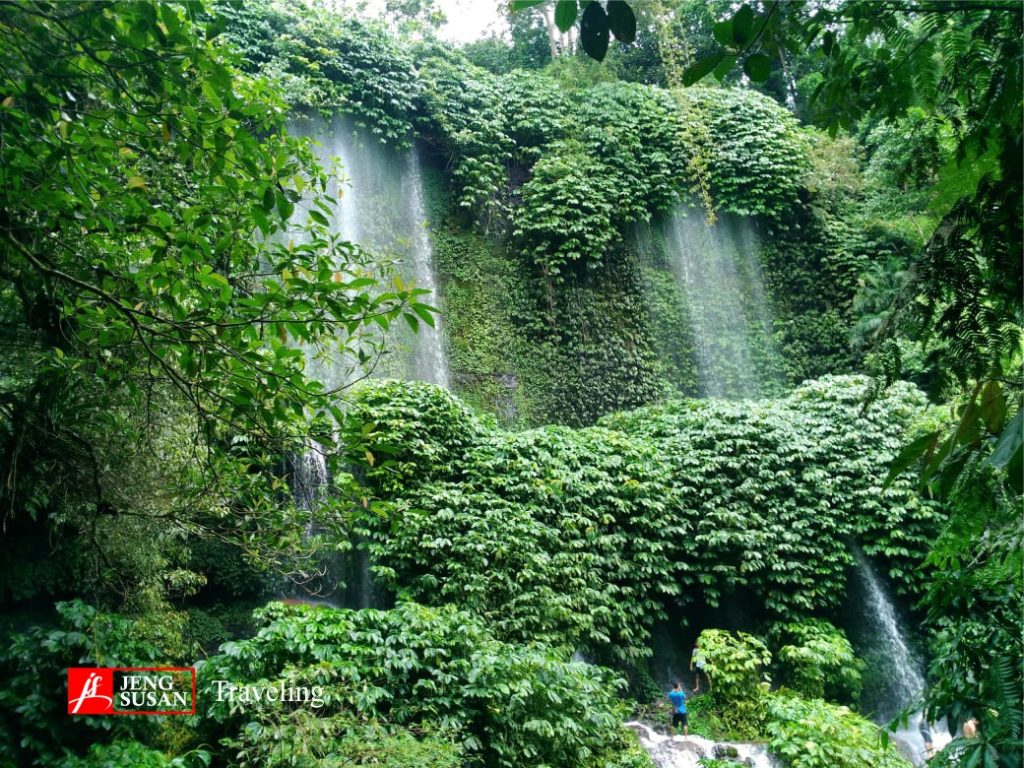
(91, 690)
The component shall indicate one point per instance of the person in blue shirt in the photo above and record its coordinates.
(678, 698)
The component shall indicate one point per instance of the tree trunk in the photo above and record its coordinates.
(549, 22)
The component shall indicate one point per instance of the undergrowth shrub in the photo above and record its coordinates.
(419, 670)
(811, 733)
(737, 664)
(817, 660)
(119, 753)
(33, 700)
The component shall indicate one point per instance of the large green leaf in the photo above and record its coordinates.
(758, 67)
(701, 69)
(828, 41)
(725, 66)
(742, 25)
(621, 21)
(993, 406)
(925, 444)
(565, 14)
(594, 31)
(1009, 442)
(723, 32)
(522, 5)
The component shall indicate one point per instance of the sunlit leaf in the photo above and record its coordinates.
(565, 14)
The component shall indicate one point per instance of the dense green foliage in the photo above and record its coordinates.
(515, 353)
(150, 300)
(419, 668)
(413, 686)
(589, 170)
(119, 753)
(583, 537)
(737, 666)
(326, 61)
(948, 76)
(811, 733)
(975, 614)
(170, 258)
(818, 661)
(624, 149)
(33, 701)
(805, 731)
(556, 166)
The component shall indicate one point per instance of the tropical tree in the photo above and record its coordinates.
(154, 280)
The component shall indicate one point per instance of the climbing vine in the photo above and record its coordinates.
(658, 507)
(327, 61)
(553, 169)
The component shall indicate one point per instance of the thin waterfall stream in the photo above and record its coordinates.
(380, 207)
(718, 271)
(905, 680)
(719, 276)
(429, 362)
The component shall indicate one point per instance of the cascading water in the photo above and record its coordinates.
(722, 297)
(380, 207)
(902, 681)
(309, 476)
(429, 362)
(717, 268)
(686, 752)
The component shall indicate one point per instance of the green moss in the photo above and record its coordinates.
(527, 350)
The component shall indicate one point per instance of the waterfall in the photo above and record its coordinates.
(429, 363)
(687, 751)
(309, 476)
(717, 269)
(903, 683)
(381, 208)
(339, 579)
(578, 657)
(907, 680)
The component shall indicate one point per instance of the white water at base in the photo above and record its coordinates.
(686, 751)
(907, 681)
